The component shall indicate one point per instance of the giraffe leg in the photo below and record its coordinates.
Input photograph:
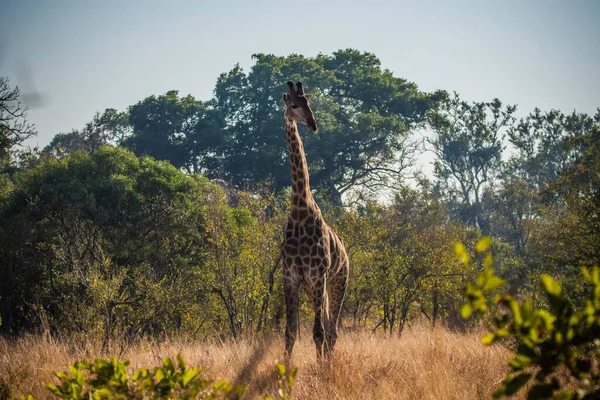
(317, 294)
(335, 293)
(291, 288)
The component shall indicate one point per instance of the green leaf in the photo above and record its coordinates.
(550, 285)
(189, 375)
(488, 339)
(51, 387)
(516, 310)
(461, 252)
(493, 282)
(483, 244)
(103, 393)
(168, 364)
(520, 361)
(181, 362)
(466, 310)
(281, 369)
(514, 383)
(488, 260)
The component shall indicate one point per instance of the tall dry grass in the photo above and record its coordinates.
(424, 363)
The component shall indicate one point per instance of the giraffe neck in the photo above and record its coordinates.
(302, 200)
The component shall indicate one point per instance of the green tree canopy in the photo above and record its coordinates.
(468, 144)
(91, 222)
(182, 130)
(364, 115)
(540, 143)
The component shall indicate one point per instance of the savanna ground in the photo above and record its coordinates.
(423, 363)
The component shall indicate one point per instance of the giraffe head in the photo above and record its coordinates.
(296, 106)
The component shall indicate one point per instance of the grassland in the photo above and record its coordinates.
(424, 363)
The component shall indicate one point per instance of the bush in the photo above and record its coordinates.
(108, 379)
(558, 341)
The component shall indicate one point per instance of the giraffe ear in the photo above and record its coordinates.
(308, 96)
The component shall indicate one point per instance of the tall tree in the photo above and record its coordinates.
(182, 130)
(540, 143)
(110, 127)
(514, 210)
(14, 127)
(92, 229)
(468, 144)
(364, 115)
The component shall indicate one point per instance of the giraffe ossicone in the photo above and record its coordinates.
(313, 256)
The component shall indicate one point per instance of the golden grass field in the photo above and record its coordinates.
(424, 363)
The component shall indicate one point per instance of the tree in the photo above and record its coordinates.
(14, 127)
(401, 255)
(97, 242)
(107, 128)
(574, 232)
(468, 146)
(183, 130)
(364, 115)
(540, 143)
(243, 259)
(513, 209)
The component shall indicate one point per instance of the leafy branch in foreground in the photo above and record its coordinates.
(108, 379)
(104, 379)
(557, 339)
(286, 380)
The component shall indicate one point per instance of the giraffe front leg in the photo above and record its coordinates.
(317, 294)
(335, 293)
(291, 287)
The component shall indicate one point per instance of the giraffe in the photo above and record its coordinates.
(313, 256)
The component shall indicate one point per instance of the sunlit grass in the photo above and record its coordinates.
(424, 363)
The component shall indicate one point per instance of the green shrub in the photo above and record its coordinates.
(555, 342)
(104, 379)
(108, 379)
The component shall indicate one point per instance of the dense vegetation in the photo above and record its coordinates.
(166, 218)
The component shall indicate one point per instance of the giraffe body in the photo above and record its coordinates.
(314, 257)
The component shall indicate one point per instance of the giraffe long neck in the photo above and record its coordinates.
(302, 200)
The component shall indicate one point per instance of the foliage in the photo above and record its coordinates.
(184, 131)
(110, 244)
(513, 210)
(95, 238)
(570, 208)
(286, 380)
(14, 127)
(244, 258)
(108, 379)
(540, 143)
(364, 113)
(549, 342)
(106, 128)
(400, 257)
(468, 145)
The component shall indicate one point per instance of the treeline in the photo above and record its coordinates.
(166, 218)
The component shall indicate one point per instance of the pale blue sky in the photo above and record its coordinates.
(85, 56)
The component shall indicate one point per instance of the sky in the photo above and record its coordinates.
(85, 56)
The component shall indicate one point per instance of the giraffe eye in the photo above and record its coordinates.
(294, 106)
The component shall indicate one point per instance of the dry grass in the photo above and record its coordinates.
(422, 364)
